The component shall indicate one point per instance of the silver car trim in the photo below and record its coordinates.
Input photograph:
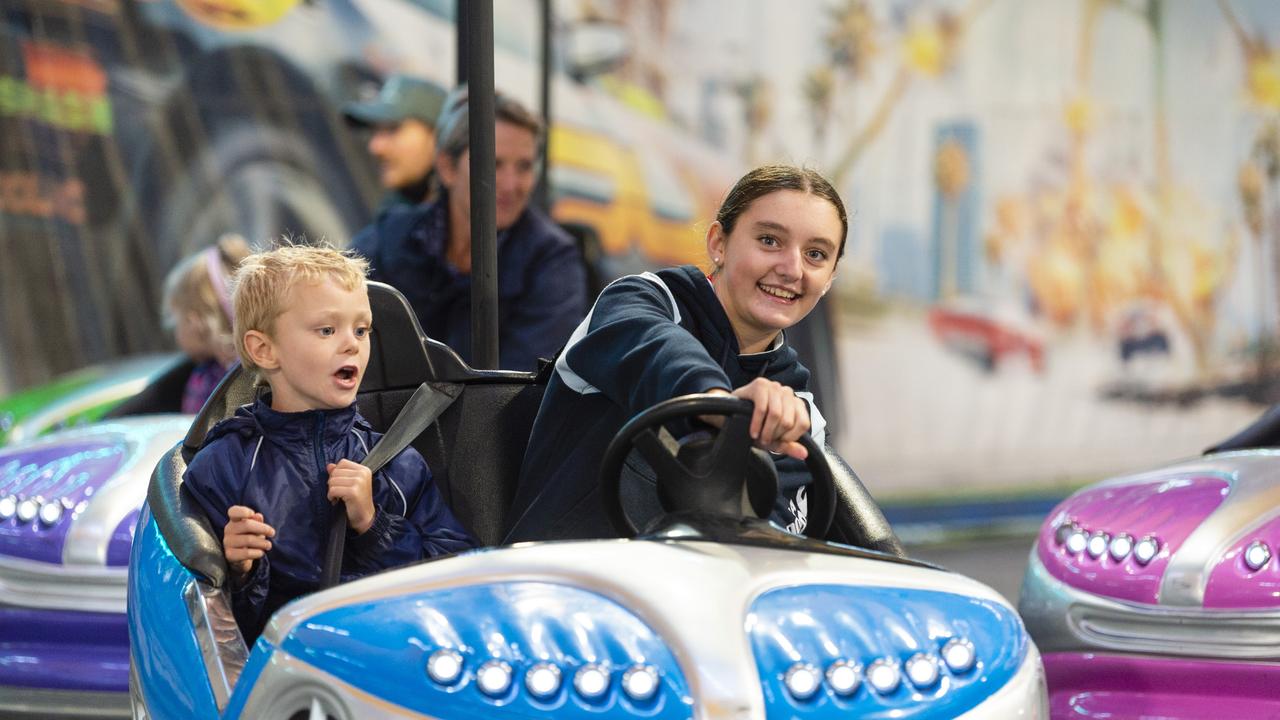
(288, 685)
(1247, 505)
(137, 703)
(1011, 701)
(39, 703)
(1061, 618)
(218, 637)
(28, 583)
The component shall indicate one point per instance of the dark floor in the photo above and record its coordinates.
(998, 562)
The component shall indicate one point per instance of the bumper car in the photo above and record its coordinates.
(69, 502)
(1158, 594)
(708, 612)
(68, 507)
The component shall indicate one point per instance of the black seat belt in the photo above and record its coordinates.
(427, 404)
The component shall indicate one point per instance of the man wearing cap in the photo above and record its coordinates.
(403, 118)
(425, 252)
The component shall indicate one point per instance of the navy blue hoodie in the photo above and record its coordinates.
(649, 338)
(542, 290)
(275, 463)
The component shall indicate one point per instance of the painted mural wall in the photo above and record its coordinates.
(1063, 257)
(1063, 253)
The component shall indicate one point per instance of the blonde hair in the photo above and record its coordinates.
(200, 286)
(262, 285)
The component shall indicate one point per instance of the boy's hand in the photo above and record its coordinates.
(780, 416)
(244, 539)
(352, 483)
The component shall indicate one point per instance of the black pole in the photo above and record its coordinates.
(462, 26)
(484, 210)
(544, 187)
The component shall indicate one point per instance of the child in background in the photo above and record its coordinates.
(268, 475)
(197, 308)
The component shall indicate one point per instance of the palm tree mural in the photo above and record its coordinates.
(951, 175)
(819, 92)
(1099, 247)
(1257, 179)
(851, 40)
(756, 96)
(928, 46)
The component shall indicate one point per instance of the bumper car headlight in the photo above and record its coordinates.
(918, 652)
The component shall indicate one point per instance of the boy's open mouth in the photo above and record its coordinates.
(346, 373)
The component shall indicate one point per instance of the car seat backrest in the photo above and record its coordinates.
(475, 448)
(239, 387)
(587, 241)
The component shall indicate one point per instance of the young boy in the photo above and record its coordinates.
(268, 475)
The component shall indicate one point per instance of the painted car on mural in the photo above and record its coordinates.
(1158, 594)
(988, 334)
(717, 615)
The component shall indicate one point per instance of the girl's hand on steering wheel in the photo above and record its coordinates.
(780, 417)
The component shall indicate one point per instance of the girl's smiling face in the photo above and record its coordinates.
(776, 263)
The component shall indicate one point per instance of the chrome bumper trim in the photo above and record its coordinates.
(20, 702)
(27, 583)
(1061, 618)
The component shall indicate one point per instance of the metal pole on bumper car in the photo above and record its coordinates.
(484, 231)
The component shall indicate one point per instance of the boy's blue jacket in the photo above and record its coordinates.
(649, 338)
(542, 287)
(275, 463)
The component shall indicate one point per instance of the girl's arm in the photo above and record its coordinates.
(631, 349)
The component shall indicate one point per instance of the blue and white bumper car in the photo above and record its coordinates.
(708, 614)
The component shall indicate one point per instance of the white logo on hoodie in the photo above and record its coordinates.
(800, 509)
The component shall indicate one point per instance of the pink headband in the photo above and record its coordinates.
(218, 279)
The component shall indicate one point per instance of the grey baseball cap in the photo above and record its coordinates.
(401, 97)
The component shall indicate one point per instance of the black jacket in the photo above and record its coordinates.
(542, 290)
(649, 338)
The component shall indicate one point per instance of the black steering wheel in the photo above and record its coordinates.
(717, 478)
